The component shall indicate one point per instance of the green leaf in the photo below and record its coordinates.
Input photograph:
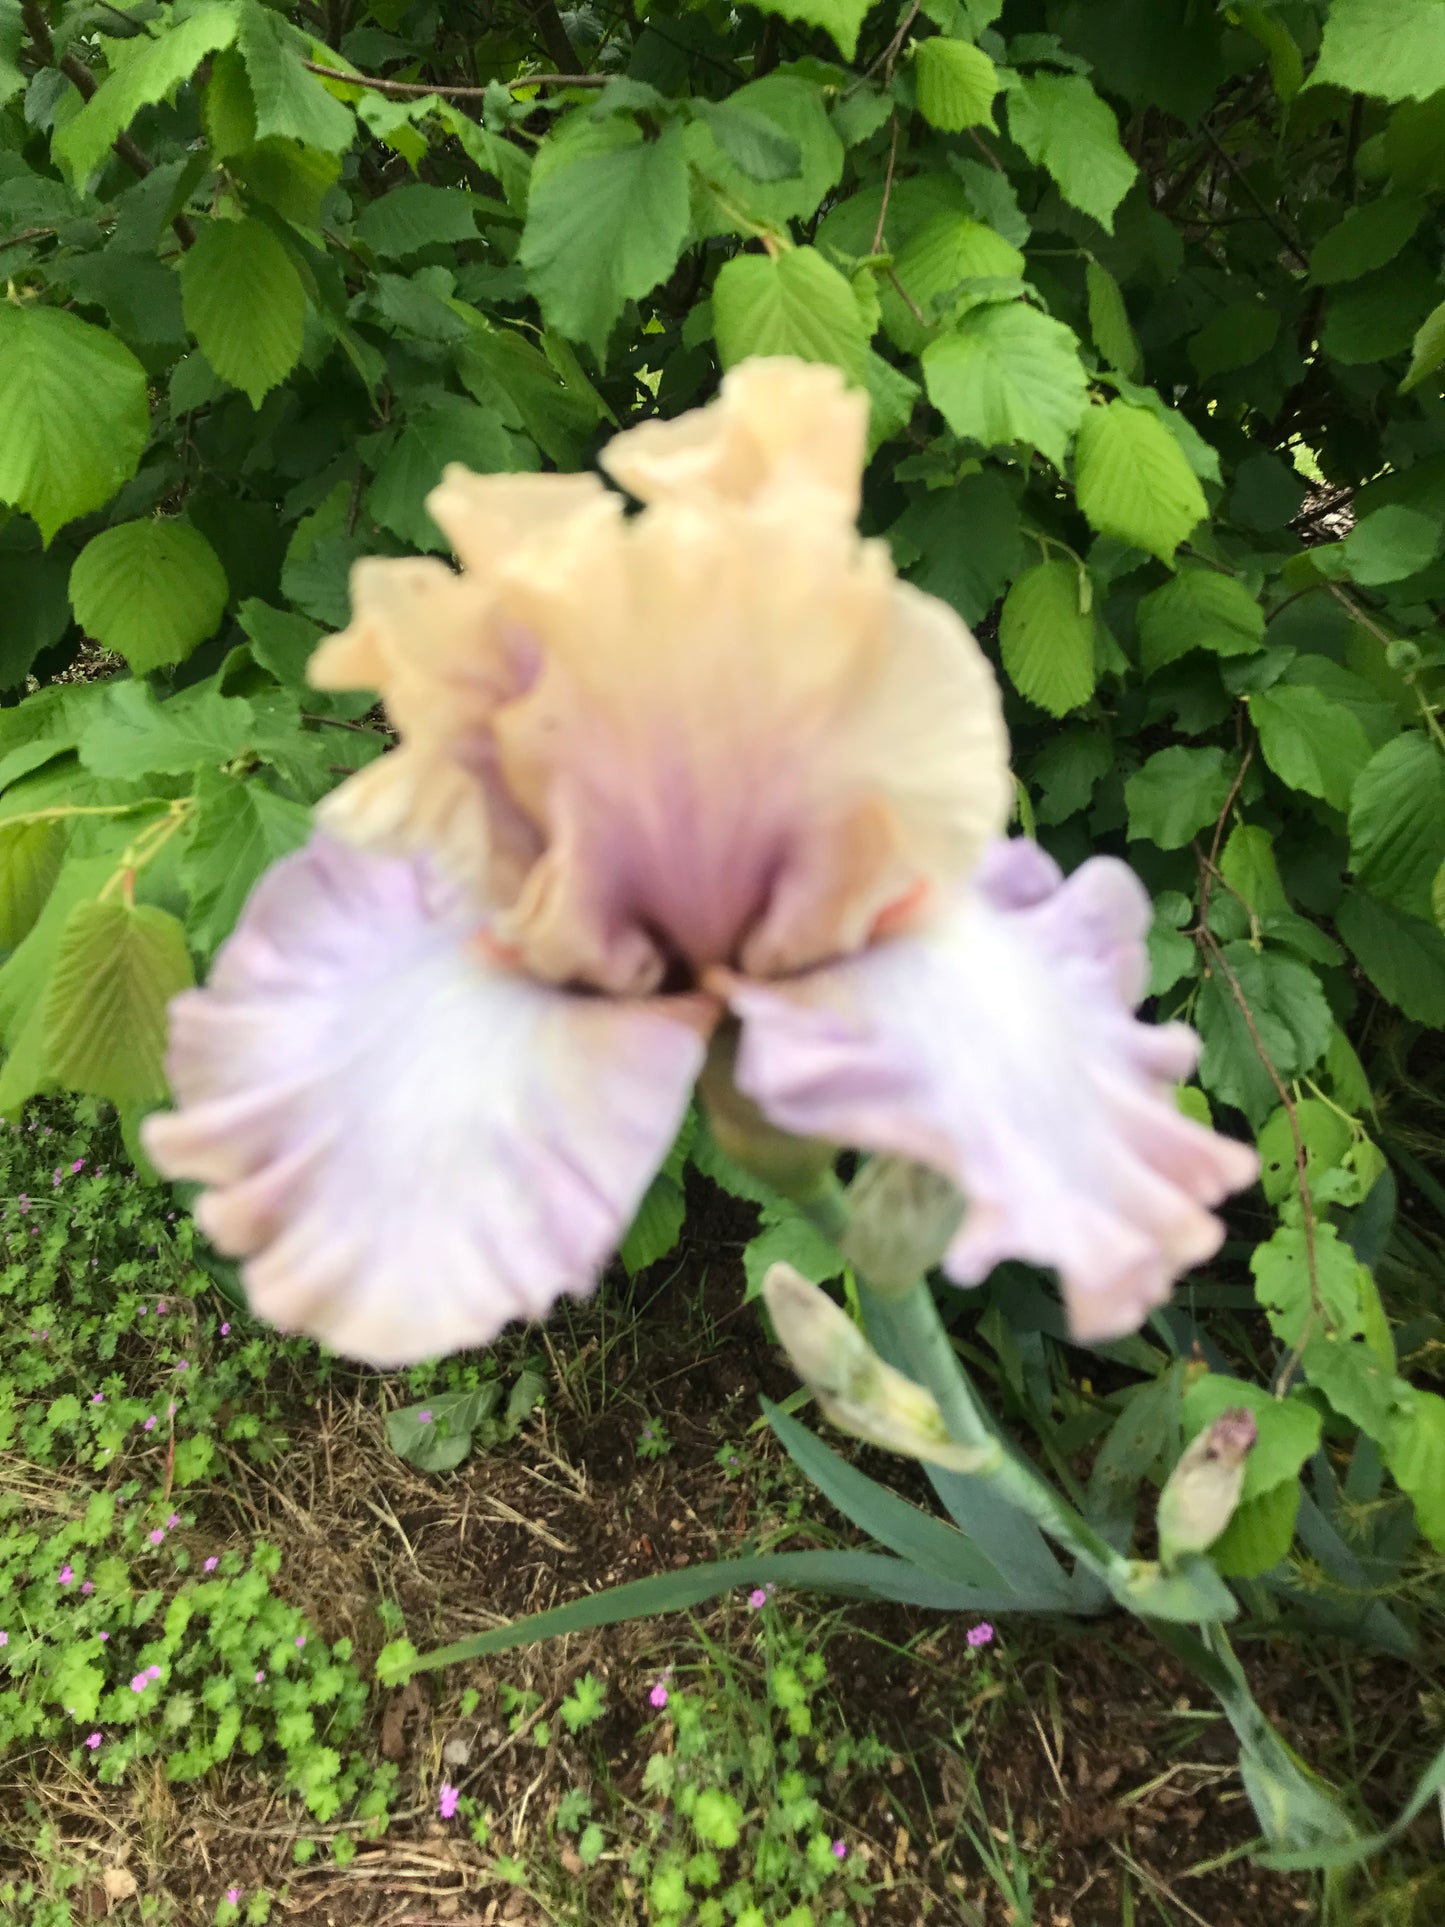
(1133, 481)
(1428, 351)
(153, 68)
(502, 370)
(149, 590)
(448, 429)
(74, 417)
(1415, 1456)
(1248, 867)
(790, 1240)
(30, 858)
(946, 252)
(412, 218)
(1259, 1535)
(1325, 1135)
(1366, 238)
(1063, 126)
(656, 1228)
(1198, 609)
(25, 978)
(1397, 823)
(34, 608)
(1292, 1302)
(1391, 543)
(957, 84)
(1068, 769)
(1109, 322)
(1310, 740)
(1009, 374)
(794, 304)
(753, 142)
(280, 641)
(607, 217)
(1288, 1429)
(1403, 956)
(238, 830)
(967, 542)
(1236, 338)
(291, 104)
(133, 735)
(245, 303)
(841, 20)
(117, 966)
(1289, 1012)
(437, 1435)
(1047, 640)
(1378, 316)
(1394, 49)
(1176, 793)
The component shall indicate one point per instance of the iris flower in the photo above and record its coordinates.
(709, 767)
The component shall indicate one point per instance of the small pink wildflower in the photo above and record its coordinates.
(233, 1894)
(981, 1634)
(104, 1637)
(658, 1695)
(65, 1576)
(181, 1365)
(757, 1598)
(447, 1800)
(260, 1674)
(424, 1418)
(97, 1398)
(300, 1641)
(4, 1639)
(55, 1181)
(143, 1310)
(23, 1202)
(840, 1849)
(160, 1308)
(138, 1682)
(153, 1672)
(87, 1586)
(150, 1424)
(79, 1165)
(225, 1331)
(157, 1535)
(211, 1564)
(93, 1741)
(173, 1521)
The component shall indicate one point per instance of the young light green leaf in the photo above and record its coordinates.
(949, 249)
(1394, 49)
(957, 84)
(1009, 374)
(30, 858)
(156, 65)
(291, 104)
(1133, 481)
(1109, 322)
(238, 831)
(1288, 1430)
(607, 217)
(1063, 126)
(74, 417)
(1415, 1455)
(117, 966)
(1310, 740)
(245, 303)
(1397, 823)
(754, 144)
(1403, 956)
(1198, 609)
(795, 111)
(1176, 793)
(1047, 640)
(1429, 349)
(795, 303)
(133, 735)
(657, 1226)
(149, 590)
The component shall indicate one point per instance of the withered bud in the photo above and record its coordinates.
(1203, 1490)
(902, 1219)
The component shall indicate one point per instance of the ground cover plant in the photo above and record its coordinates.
(1147, 304)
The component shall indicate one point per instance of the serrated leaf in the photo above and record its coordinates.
(841, 20)
(1133, 481)
(1415, 1455)
(1310, 740)
(1428, 351)
(794, 304)
(949, 249)
(291, 103)
(1403, 956)
(1063, 126)
(1289, 1011)
(245, 303)
(238, 830)
(1394, 49)
(1288, 1429)
(790, 1240)
(149, 590)
(1292, 1301)
(1397, 823)
(74, 416)
(967, 541)
(502, 369)
(117, 966)
(1391, 543)
(30, 858)
(752, 142)
(1198, 609)
(152, 70)
(280, 641)
(1109, 322)
(1176, 793)
(657, 1226)
(25, 976)
(412, 218)
(1047, 640)
(723, 191)
(607, 217)
(448, 429)
(1366, 238)
(1377, 317)
(133, 735)
(1068, 768)
(957, 84)
(1009, 374)
(1259, 1535)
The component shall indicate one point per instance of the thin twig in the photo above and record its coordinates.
(1267, 213)
(415, 90)
(877, 247)
(888, 59)
(1212, 869)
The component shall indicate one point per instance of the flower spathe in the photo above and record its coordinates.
(709, 757)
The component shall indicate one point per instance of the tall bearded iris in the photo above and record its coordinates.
(707, 764)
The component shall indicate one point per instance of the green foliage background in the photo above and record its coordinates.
(1146, 295)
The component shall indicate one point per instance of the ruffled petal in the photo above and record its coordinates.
(998, 1046)
(778, 423)
(409, 1144)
